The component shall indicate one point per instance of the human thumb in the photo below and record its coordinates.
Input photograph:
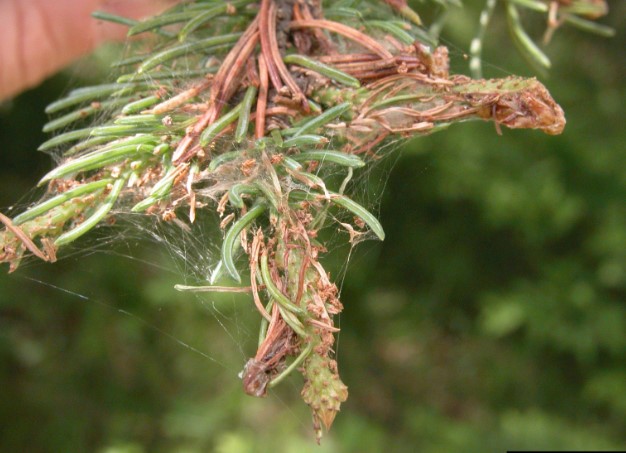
(39, 37)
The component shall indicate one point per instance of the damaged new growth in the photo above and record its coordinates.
(246, 108)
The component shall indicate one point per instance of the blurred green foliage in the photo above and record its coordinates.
(493, 316)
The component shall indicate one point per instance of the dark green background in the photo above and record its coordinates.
(493, 316)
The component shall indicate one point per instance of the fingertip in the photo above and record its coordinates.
(39, 37)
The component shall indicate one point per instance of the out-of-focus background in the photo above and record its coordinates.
(493, 316)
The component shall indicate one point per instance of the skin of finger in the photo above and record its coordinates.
(39, 37)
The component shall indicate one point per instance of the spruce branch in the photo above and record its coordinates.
(246, 108)
(578, 13)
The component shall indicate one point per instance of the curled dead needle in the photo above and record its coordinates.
(26, 240)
